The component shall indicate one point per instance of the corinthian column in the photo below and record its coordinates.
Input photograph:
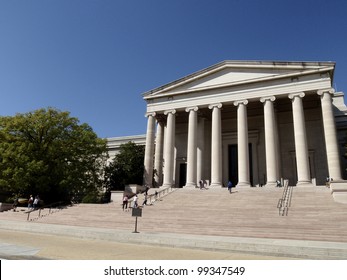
(169, 149)
(301, 150)
(216, 143)
(149, 150)
(331, 143)
(158, 161)
(270, 140)
(192, 146)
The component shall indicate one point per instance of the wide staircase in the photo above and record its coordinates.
(246, 212)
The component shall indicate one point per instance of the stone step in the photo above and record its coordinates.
(251, 212)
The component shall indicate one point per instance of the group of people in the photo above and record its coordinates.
(135, 200)
(33, 203)
(202, 185)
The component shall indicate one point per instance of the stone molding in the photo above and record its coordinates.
(217, 105)
(150, 114)
(270, 98)
(170, 112)
(320, 92)
(244, 102)
(195, 108)
(296, 94)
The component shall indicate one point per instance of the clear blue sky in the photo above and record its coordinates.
(94, 58)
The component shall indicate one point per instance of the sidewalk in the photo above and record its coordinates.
(72, 242)
(21, 245)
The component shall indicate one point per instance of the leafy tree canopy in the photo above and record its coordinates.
(127, 166)
(49, 153)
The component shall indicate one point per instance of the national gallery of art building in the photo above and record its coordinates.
(248, 122)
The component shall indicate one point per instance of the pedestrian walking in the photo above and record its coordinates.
(125, 202)
(135, 201)
(201, 184)
(145, 200)
(327, 182)
(30, 202)
(230, 186)
(36, 202)
(15, 204)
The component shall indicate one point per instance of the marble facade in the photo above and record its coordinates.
(251, 122)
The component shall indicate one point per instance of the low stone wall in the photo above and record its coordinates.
(117, 196)
(5, 206)
(129, 190)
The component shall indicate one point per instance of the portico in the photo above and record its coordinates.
(250, 122)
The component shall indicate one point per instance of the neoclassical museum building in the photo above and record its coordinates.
(250, 122)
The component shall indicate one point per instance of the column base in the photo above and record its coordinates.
(167, 185)
(243, 185)
(190, 185)
(216, 185)
(339, 191)
(271, 184)
(304, 184)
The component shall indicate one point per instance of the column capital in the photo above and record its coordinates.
(266, 98)
(320, 92)
(150, 114)
(238, 102)
(296, 94)
(170, 112)
(194, 108)
(217, 105)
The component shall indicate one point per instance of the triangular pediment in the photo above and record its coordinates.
(232, 73)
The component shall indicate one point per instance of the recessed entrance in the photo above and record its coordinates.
(183, 175)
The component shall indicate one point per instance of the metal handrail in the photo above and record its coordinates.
(152, 197)
(50, 207)
(285, 202)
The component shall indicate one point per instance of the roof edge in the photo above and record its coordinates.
(243, 64)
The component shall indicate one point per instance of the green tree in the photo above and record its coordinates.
(127, 166)
(49, 153)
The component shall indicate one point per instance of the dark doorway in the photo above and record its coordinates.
(183, 175)
(233, 164)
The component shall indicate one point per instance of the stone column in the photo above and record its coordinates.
(270, 140)
(149, 151)
(158, 161)
(169, 148)
(192, 146)
(242, 143)
(216, 143)
(201, 150)
(331, 143)
(301, 150)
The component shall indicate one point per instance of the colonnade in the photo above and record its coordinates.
(165, 148)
